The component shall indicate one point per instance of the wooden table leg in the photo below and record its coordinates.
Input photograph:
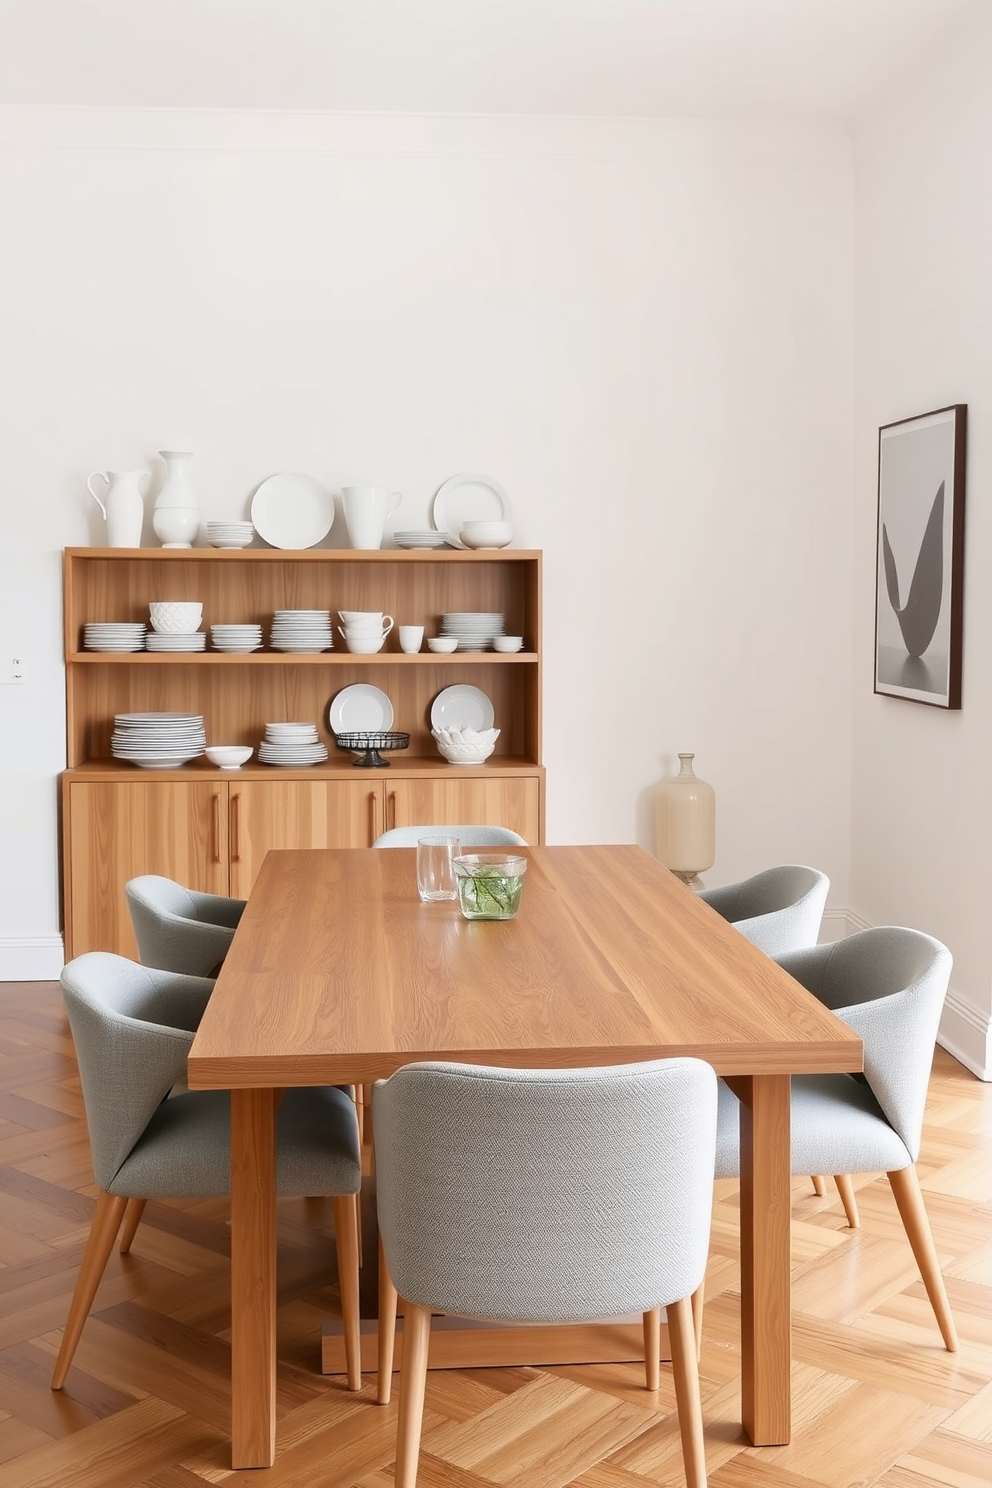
(766, 1201)
(253, 1278)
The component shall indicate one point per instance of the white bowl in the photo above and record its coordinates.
(486, 535)
(442, 643)
(464, 754)
(507, 643)
(361, 645)
(465, 746)
(175, 616)
(229, 756)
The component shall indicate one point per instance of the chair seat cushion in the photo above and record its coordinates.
(837, 1127)
(184, 1152)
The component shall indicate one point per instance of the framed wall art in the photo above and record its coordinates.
(919, 576)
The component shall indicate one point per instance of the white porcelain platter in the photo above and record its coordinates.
(361, 708)
(292, 511)
(468, 498)
(462, 706)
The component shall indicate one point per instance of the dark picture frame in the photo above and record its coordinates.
(919, 573)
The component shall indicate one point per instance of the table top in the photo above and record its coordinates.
(339, 974)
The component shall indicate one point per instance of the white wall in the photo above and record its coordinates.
(921, 849)
(645, 332)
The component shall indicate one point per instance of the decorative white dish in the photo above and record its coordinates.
(507, 643)
(462, 706)
(292, 511)
(464, 498)
(360, 708)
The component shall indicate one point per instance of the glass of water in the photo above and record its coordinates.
(435, 868)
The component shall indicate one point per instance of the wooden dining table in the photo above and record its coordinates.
(338, 974)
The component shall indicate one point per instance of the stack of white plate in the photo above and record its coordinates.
(301, 631)
(114, 635)
(292, 744)
(246, 637)
(426, 538)
(178, 640)
(229, 534)
(158, 741)
(473, 629)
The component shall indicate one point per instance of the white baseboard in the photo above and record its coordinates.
(967, 1034)
(31, 958)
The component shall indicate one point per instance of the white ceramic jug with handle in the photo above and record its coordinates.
(122, 505)
(365, 511)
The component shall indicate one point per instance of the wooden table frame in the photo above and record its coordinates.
(338, 974)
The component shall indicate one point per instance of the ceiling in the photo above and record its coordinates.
(826, 60)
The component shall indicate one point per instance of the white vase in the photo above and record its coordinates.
(176, 514)
(686, 824)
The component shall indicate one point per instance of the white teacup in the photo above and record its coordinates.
(364, 645)
(411, 638)
(375, 618)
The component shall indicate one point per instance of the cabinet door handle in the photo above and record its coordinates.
(215, 827)
(373, 814)
(236, 828)
(391, 808)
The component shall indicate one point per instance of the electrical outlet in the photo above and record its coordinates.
(13, 670)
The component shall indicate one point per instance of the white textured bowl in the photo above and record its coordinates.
(175, 616)
(507, 643)
(442, 643)
(229, 756)
(465, 746)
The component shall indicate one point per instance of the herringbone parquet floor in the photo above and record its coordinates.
(877, 1399)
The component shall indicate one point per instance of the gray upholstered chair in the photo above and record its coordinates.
(179, 929)
(131, 1028)
(888, 984)
(468, 836)
(778, 910)
(543, 1195)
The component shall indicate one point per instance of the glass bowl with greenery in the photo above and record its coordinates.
(489, 884)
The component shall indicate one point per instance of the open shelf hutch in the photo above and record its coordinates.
(210, 828)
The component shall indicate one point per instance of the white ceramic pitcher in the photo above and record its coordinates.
(122, 505)
(365, 511)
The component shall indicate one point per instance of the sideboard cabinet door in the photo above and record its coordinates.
(273, 813)
(116, 830)
(474, 796)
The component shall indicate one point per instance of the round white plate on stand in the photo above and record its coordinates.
(292, 511)
(361, 708)
(462, 706)
(468, 498)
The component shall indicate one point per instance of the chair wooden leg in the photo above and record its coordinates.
(685, 1368)
(132, 1218)
(845, 1188)
(819, 1187)
(652, 1348)
(905, 1185)
(413, 1383)
(696, 1303)
(103, 1232)
(346, 1237)
(387, 1329)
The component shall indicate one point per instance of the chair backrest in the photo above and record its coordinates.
(172, 925)
(888, 984)
(546, 1194)
(131, 1026)
(468, 836)
(778, 910)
